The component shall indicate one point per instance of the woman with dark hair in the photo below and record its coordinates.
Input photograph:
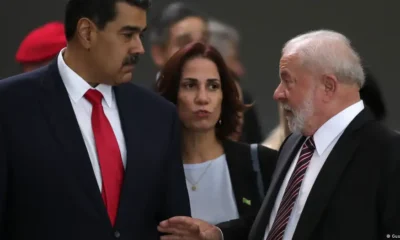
(224, 188)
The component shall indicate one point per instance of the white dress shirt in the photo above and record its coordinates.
(325, 139)
(76, 88)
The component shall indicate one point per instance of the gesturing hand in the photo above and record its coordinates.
(189, 229)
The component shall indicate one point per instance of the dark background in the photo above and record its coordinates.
(372, 26)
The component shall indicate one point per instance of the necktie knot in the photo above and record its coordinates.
(310, 143)
(94, 96)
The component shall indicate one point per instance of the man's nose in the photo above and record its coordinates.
(137, 46)
(279, 93)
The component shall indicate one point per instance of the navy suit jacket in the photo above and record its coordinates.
(47, 185)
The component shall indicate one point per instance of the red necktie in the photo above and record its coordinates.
(108, 153)
(292, 191)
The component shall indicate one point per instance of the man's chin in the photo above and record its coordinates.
(124, 78)
(293, 127)
(127, 77)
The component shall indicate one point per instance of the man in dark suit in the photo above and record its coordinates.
(338, 174)
(83, 154)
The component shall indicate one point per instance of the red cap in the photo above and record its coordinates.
(42, 43)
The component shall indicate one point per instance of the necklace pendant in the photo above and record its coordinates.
(194, 188)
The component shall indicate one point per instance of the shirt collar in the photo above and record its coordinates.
(76, 86)
(330, 130)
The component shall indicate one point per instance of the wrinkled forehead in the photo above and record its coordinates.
(288, 63)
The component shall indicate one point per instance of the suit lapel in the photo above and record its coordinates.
(131, 111)
(58, 110)
(329, 176)
(242, 177)
(286, 156)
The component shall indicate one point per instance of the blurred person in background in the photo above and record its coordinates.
(41, 46)
(236, 135)
(226, 40)
(175, 26)
(222, 184)
(279, 133)
(372, 95)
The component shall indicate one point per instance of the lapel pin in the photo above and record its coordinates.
(246, 201)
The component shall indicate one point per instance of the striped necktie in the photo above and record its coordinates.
(292, 191)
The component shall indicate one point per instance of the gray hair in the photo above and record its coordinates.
(329, 52)
(221, 36)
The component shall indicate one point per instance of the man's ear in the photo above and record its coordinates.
(86, 32)
(329, 84)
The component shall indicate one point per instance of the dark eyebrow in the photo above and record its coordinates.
(210, 80)
(213, 80)
(190, 79)
(132, 29)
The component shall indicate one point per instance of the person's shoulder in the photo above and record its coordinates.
(377, 131)
(377, 136)
(263, 151)
(380, 140)
(22, 78)
(21, 84)
(230, 145)
(267, 152)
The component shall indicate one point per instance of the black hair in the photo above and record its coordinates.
(99, 11)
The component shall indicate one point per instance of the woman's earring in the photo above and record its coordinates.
(220, 122)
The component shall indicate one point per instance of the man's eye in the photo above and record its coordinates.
(128, 35)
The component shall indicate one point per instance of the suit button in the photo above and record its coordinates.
(117, 234)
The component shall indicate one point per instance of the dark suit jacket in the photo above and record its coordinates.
(244, 185)
(355, 196)
(48, 189)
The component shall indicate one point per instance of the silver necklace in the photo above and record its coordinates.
(194, 185)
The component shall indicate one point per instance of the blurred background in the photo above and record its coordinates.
(264, 26)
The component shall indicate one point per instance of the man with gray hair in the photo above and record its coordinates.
(226, 39)
(338, 174)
